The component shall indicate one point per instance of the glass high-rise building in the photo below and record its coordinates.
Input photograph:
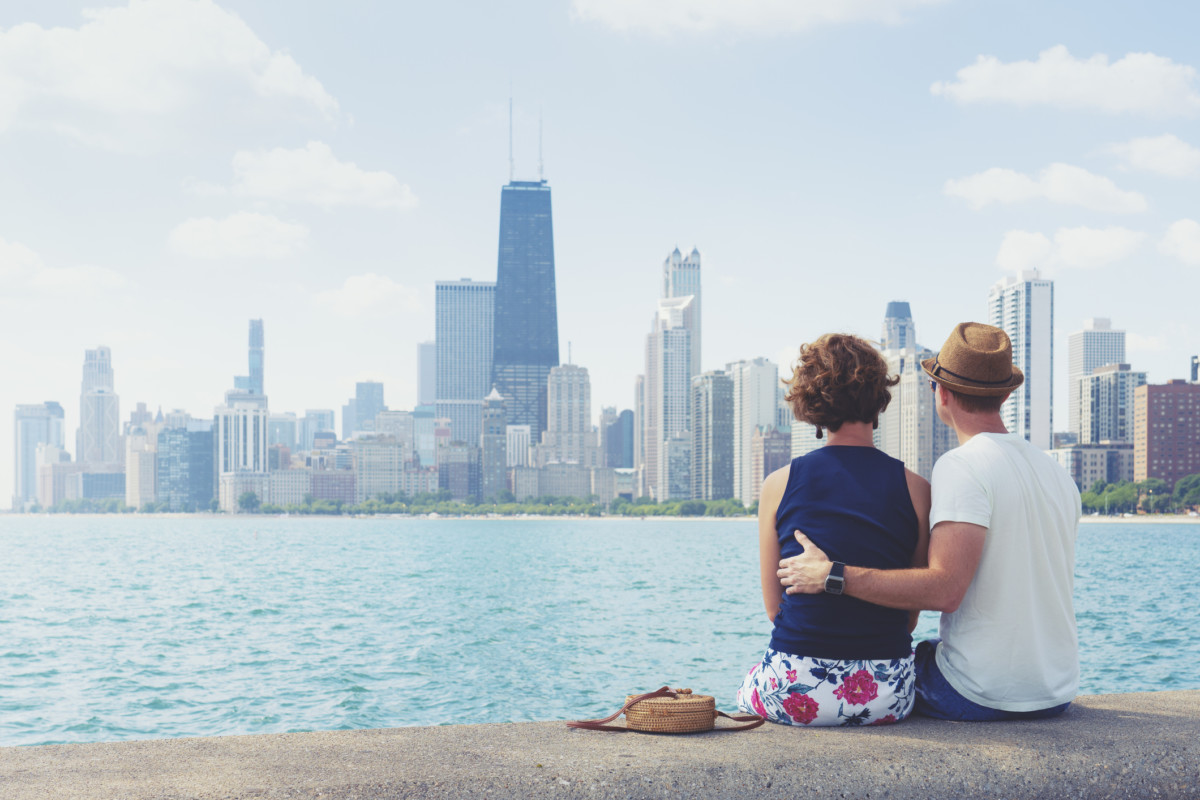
(464, 311)
(33, 425)
(253, 383)
(526, 310)
(185, 466)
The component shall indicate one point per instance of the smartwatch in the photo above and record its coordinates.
(835, 582)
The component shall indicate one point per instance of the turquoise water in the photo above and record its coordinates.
(129, 628)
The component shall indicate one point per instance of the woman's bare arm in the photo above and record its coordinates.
(768, 539)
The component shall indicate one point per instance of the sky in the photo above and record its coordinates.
(170, 169)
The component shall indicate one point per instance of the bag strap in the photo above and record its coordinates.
(750, 720)
(599, 724)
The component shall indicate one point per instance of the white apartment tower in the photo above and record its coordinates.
(1023, 306)
(681, 278)
(754, 402)
(667, 393)
(1094, 346)
(240, 431)
(1106, 404)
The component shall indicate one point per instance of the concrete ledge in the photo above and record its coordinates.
(1128, 746)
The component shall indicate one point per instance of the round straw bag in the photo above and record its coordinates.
(669, 711)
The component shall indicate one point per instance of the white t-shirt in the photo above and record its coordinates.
(1011, 645)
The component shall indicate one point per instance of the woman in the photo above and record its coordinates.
(835, 660)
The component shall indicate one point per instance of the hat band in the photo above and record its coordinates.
(938, 369)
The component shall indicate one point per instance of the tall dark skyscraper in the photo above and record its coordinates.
(526, 312)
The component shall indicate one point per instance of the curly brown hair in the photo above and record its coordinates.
(839, 378)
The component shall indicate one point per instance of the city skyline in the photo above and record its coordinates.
(823, 167)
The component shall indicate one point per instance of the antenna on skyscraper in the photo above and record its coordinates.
(510, 157)
(539, 144)
(568, 352)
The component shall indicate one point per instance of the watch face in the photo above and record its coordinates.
(834, 584)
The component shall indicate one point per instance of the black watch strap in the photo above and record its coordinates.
(835, 582)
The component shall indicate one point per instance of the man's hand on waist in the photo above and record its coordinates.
(805, 573)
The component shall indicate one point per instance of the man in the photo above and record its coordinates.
(1001, 553)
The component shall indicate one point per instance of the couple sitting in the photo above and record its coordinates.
(865, 545)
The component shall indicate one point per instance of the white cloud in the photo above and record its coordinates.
(22, 268)
(1138, 83)
(1167, 155)
(369, 293)
(661, 17)
(78, 279)
(312, 174)
(1139, 343)
(1094, 247)
(1022, 250)
(17, 261)
(151, 58)
(1182, 241)
(1058, 183)
(1081, 248)
(242, 235)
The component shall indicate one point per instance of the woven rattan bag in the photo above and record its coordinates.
(669, 711)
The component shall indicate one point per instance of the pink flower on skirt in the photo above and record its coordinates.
(890, 719)
(774, 684)
(801, 707)
(858, 689)
(791, 676)
(757, 705)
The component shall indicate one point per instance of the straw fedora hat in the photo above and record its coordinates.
(977, 360)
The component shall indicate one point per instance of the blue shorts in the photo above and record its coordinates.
(937, 698)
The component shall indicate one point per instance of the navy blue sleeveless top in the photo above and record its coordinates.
(853, 503)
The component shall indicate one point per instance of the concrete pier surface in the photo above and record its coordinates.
(1127, 746)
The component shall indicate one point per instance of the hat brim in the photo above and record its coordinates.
(974, 389)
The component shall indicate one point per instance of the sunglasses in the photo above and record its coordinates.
(933, 385)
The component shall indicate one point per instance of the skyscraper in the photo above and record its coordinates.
(526, 310)
(33, 425)
(359, 413)
(1094, 346)
(754, 400)
(681, 278)
(98, 440)
(712, 436)
(185, 466)
(253, 383)
(463, 312)
(899, 332)
(667, 402)
(909, 428)
(1106, 404)
(1023, 306)
(568, 437)
(493, 446)
(1166, 431)
(241, 433)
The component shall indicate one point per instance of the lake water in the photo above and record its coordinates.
(129, 628)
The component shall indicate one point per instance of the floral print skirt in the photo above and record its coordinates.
(794, 690)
